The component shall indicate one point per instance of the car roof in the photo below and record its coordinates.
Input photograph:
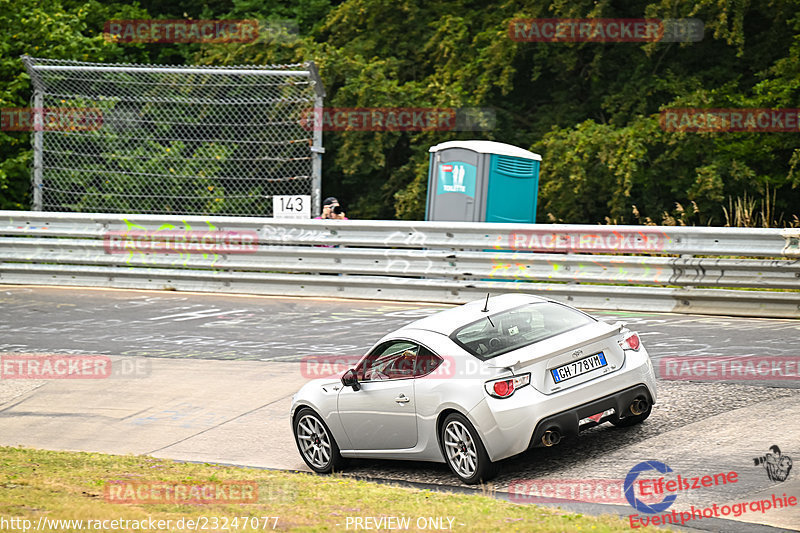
(445, 322)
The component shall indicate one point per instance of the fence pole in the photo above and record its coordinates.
(37, 151)
(316, 148)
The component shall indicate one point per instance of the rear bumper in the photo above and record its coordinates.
(508, 426)
(567, 422)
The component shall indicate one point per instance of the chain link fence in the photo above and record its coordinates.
(174, 139)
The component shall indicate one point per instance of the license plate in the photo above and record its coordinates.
(579, 367)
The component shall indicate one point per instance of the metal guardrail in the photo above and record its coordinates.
(732, 271)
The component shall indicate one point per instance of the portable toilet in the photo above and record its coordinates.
(482, 181)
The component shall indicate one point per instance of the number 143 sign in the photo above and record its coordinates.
(291, 206)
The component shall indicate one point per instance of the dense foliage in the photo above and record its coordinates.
(591, 109)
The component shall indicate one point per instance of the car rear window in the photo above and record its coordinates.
(495, 334)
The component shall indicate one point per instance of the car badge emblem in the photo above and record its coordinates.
(577, 353)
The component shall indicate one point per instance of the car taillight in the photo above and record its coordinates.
(631, 343)
(505, 387)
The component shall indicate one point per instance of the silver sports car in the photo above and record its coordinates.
(475, 384)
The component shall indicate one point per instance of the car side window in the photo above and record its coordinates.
(427, 362)
(390, 360)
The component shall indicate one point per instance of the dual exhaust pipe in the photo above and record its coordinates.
(553, 436)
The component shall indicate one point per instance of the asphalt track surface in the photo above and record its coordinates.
(209, 377)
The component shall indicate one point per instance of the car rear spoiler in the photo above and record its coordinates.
(523, 356)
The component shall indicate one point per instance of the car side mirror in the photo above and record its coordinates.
(350, 379)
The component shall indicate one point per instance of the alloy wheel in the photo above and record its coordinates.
(314, 440)
(460, 448)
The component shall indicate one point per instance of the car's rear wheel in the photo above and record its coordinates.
(632, 420)
(316, 443)
(464, 451)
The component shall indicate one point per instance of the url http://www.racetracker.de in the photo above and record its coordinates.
(199, 523)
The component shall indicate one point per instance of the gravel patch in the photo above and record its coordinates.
(11, 389)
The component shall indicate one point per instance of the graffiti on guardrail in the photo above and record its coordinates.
(792, 246)
(511, 260)
(413, 242)
(295, 235)
(449, 261)
(589, 270)
(150, 246)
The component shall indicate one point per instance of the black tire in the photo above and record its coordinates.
(315, 442)
(464, 452)
(632, 420)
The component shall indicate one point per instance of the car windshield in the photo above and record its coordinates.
(499, 333)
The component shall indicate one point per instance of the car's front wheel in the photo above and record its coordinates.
(464, 451)
(316, 443)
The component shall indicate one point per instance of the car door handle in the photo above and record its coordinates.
(402, 399)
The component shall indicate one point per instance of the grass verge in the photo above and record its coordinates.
(44, 486)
